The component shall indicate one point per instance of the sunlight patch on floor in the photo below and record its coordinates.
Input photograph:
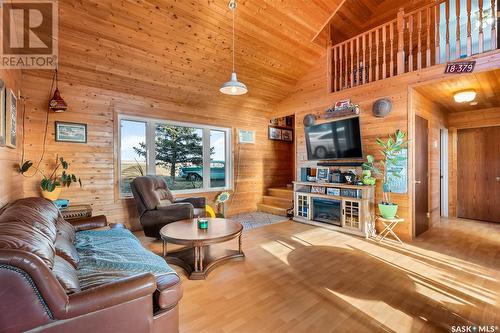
(378, 311)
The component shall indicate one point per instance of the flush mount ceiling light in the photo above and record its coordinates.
(233, 86)
(464, 96)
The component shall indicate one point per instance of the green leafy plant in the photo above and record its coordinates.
(56, 178)
(391, 151)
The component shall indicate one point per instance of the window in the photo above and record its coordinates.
(190, 157)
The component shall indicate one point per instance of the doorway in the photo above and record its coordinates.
(478, 172)
(421, 175)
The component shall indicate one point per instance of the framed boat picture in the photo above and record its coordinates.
(11, 120)
(71, 132)
(3, 95)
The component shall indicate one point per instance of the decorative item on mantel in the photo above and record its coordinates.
(51, 186)
(342, 108)
(394, 151)
(57, 103)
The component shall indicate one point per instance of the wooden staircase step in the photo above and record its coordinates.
(281, 192)
(271, 209)
(277, 201)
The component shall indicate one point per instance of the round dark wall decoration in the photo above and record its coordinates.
(382, 107)
(309, 120)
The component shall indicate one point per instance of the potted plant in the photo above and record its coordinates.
(52, 184)
(390, 149)
(367, 177)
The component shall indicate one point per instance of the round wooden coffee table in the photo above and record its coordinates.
(198, 257)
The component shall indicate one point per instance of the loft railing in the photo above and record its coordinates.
(437, 33)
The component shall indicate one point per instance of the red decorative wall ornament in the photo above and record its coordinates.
(57, 103)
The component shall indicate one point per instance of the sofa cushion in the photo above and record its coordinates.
(67, 250)
(66, 275)
(30, 225)
(107, 255)
(65, 229)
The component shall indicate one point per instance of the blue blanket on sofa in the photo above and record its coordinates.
(106, 255)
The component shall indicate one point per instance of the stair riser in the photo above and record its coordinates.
(271, 210)
(277, 202)
(284, 194)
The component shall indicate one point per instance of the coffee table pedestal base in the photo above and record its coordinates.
(198, 261)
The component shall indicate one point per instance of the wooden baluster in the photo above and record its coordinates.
(401, 41)
(428, 44)
(358, 77)
(329, 69)
(370, 56)
(436, 34)
(493, 25)
(341, 74)
(469, 33)
(458, 48)
(391, 42)
(352, 62)
(481, 35)
(384, 43)
(377, 58)
(410, 43)
(335, 68)
(346, 72)
(363, 49)
(419, 43)
(447, 50)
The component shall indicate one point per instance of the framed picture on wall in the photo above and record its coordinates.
(287, 135)
(71, 132)
(3, 95)
(11, 120)
(274, 133)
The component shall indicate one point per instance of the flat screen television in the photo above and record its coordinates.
(334, 140)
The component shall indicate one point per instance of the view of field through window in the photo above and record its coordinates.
(178, 155)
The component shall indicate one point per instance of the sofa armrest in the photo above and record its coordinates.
(87, 223)
(197, 202)
(110, 294)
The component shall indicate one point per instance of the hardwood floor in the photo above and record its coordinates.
(300, 278)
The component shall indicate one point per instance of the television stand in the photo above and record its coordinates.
(340, 207)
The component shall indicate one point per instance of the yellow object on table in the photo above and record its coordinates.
(210, 211)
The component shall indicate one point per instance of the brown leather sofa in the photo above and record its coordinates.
(35, 277)
(157, 206)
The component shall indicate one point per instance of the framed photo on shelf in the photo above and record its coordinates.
(3, 96)
(322, 174)
(287, 135)
(71, 132)
(275, 133)
(11, 120)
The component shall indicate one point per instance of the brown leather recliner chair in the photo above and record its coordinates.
(35, 277)
(157, 206)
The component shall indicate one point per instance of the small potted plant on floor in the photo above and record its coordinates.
(391, 151)
(52, 185)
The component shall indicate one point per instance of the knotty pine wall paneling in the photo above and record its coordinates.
(256, 166)
(11, 183)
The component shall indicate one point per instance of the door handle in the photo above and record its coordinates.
(418, 182)
(498, 179)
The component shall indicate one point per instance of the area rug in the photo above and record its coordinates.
(257, 219)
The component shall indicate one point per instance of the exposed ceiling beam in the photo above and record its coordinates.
(330, 18)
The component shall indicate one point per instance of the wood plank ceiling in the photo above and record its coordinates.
(356, 16)
(181, 50)
(486, 85)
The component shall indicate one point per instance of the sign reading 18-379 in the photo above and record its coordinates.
(460, 67)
